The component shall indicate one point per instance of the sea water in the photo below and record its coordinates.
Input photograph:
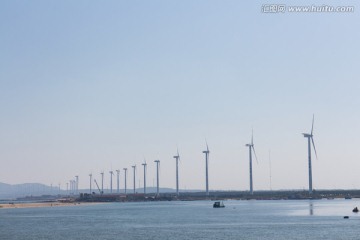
(279, 219)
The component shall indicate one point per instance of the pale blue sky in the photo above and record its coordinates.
(88, 86)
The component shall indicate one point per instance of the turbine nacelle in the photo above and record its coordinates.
(307, 135)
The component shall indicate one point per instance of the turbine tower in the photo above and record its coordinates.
(144, 164)
(251, 149)
(157, 176)
(90, 175)
(207, 168)
(118, 180)
(310, 138)
(125, 170)
(102, 181)
(134, 168)
(177, 158)
(77, 184)
(111, 175)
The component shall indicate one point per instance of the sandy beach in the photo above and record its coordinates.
(41, 204)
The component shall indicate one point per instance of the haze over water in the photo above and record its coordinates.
(306, 219)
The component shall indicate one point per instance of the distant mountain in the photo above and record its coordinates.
(8, 191)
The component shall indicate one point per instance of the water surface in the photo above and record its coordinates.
(282, 219)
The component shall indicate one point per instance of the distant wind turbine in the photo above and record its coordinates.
(310, 137)
(207, 168)
(134, 168)
(251, 149)
(118, 180)
(90, 175)
(177, 157)
(125, 175)
(111, 175)
(144, 164)
(77, 184)
(102, 181)
(157, 176)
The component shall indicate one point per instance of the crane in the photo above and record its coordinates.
(98, 186)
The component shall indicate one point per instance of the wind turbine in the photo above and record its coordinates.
(125, 170)
(111, 175)
(157, 176)
(207, 172)
(118, 180)
(309, 136)
(90, 175)
(144, 164)
(177, 158)
(134, 168)
(251, 149)
(102, 181)
(77, 184)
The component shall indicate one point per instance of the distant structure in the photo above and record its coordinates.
(134, 169)
(67, 188)
(102, 181)
(251, 149)
(157, 176)
(77, 185)
(71, 186)
(207, 168)
(144, 164)
(118, 181)
(90, 175)
(177, 158)
(125, 175)
(309, 136)
(111, 175)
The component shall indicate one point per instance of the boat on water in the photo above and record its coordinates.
(218, 205)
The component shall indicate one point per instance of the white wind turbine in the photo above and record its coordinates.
(118, 180)
(207, 168)
(177, 158)
(111, 175)
(90, 175)
(134, 169)
(310, 138)
(102, 181)
(157, 176)
(145, 166)
(125, 176)
(251, 149)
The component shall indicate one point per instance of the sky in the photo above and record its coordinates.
(91, 86)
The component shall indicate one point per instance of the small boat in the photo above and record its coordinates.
(356, 210)
(218, 205)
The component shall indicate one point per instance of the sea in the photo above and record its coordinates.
(243, 219)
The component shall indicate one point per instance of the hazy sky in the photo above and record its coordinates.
(90, 86)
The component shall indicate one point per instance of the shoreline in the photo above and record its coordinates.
(43, 204)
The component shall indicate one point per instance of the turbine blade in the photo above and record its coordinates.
(312, 126)
(255, 154)
(207, 147)
(313, 143)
